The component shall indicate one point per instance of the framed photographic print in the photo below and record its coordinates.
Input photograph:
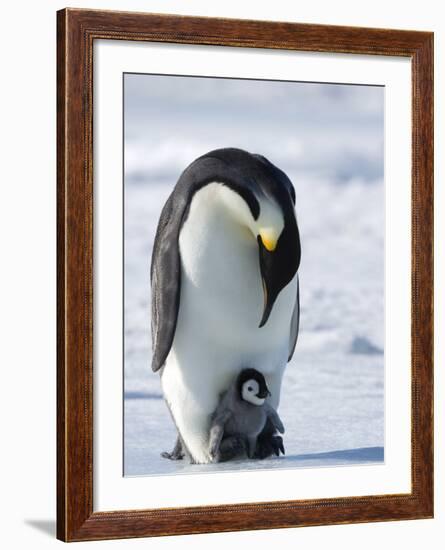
(245, 228)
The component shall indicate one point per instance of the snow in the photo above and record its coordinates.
(332, 400)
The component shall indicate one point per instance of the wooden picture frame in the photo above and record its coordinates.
(76, 32)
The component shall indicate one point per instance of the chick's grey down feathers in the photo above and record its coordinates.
(240, 421)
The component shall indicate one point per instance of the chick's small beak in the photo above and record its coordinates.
(269, 238)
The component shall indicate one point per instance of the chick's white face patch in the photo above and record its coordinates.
(250, 392)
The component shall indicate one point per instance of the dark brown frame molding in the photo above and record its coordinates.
(76, 32)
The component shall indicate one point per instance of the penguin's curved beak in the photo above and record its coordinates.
(279, 261)
(266, 266)
(263, 394)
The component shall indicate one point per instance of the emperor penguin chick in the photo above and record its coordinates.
(241, 416)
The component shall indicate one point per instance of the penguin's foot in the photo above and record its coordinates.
(172, 455)
(176, 454)
(268, 445)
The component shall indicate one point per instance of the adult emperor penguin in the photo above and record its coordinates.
(224, 289)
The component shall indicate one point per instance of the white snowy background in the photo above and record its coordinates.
(329, 140)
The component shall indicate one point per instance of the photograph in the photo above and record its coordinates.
(254, 274)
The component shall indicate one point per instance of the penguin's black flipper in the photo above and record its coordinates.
(177, 453)
(165, 282)
(295, 323)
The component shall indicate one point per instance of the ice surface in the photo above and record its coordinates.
(329, 141)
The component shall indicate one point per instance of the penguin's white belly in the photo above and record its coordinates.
(217, 331)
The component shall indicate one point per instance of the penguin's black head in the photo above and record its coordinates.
(252, 387)
(264, 202)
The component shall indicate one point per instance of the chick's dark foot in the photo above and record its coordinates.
(231, 448)
(268, 445)
(176, 454)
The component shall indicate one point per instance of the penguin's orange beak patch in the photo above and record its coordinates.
(269, 239)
